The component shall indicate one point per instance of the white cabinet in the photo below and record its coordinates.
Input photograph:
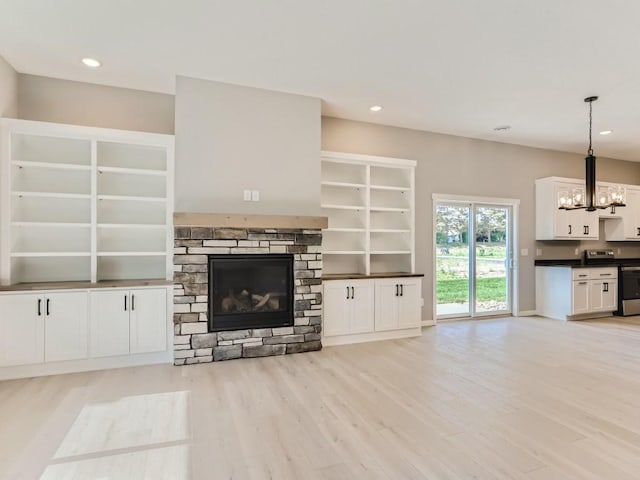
(397, 303)
(65, 328)
(21, 329)
(370, 205)
(371, 309)
(626, 225)
(555, 224)
(348, 307)
(39, 327)
(565, 293)
(128, 321)
(83, 203)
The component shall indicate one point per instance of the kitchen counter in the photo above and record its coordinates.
(579, 263)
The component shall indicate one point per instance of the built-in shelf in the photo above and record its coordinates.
(129, 198)
(50, 194)
(51, 224)
(390, 187)
(390, 209)
(51, 165)
(344, 184)
(370, 204)
(131, 254)
(133, 171)
(343, 207)
(49, 254)
(344, 252)
(391, 252)
(112, 196)
(346, 229)
(132, 225)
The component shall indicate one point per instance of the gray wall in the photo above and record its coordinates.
(78, 103)
(464, 166)
(8, 90)
(230, 138)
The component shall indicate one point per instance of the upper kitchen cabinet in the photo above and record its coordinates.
(626, 225)
(555, 224)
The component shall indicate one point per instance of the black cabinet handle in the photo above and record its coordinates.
(570, 229)
(606, 287)
(125, 303)
(39, 307)
(352, 294)
(47, 307)
(401, 290)
(638, 231)
(133, 302)
(397, 290)
(347, 293)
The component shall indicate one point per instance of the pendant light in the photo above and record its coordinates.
(591, 198)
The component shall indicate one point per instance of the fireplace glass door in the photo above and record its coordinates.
(250, 291)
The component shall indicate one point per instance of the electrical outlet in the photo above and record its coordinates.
(538, 252)
(247, 195)
(619, 251)
(576, 251)
(255, 195)
(524, 252)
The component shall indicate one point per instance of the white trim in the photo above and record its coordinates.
(428, 323)
(527, 313)
(371, 337)
(443, 197)
(339, 157)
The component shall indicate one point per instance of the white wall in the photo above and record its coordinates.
(464, 166)
(78, 103)
(8, 90)
(230, 138)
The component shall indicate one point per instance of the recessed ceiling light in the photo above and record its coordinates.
(502, 128)
(375, 108)
(91, 62)
(606, 132)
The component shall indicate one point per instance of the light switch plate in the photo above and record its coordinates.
(247, 195)
(255, 195)
(538, 252)
(524, 252)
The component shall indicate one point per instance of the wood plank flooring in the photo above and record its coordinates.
(515, 398)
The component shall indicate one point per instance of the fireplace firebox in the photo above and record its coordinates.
(250, 291)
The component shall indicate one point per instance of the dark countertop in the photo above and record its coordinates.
(28, 287)
(579, 263)
(355, 276)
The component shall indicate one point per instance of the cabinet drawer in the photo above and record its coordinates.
(594, 273)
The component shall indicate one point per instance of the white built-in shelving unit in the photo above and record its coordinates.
(370, 204)
(84, 204)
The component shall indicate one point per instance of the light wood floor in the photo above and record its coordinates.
(525, 398)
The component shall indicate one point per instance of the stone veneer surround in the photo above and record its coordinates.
(193, 343)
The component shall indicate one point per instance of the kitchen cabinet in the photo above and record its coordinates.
(128, 321)
(42, 327)
(555, 224)
(568, 293)
(397, 303)
(348, 307)
(371, 308)
(626, 225)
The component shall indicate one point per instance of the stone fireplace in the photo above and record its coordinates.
(200, 240)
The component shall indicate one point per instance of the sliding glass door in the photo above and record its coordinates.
(473, 259)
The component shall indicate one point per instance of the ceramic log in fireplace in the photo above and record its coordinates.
(250, 291)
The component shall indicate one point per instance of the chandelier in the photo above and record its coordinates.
(591, 198)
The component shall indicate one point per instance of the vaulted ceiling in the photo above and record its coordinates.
(459, 67)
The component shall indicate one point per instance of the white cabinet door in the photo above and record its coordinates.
(65, 329)
(387, 293)
(596, 296)
(361, 306)
(335, 316)
(110, 323)
(564, 223)
(580, 297)
(587, 225)
(21, 329)
(409, 303)
(610, 295)
(631, 215)
(148, 320)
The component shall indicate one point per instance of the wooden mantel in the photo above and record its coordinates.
(188, 219)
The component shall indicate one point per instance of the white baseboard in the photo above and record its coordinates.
(527, 313)
(371, 337)
(428, 323)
